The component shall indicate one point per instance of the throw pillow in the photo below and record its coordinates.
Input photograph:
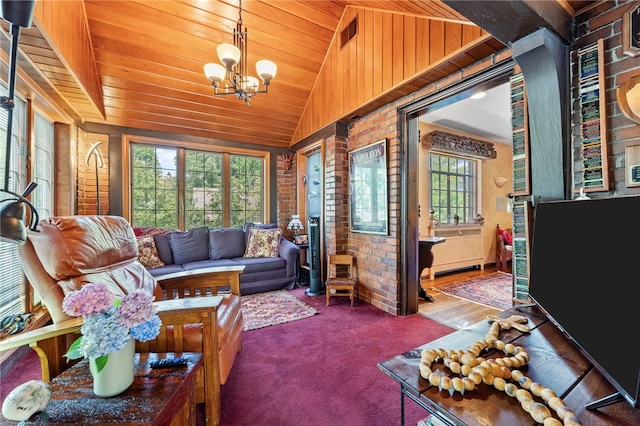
(189, 246)
(249, 225)
(148, 253)
(164, 251)
(263, 242)
(508, 239)
(226, 243)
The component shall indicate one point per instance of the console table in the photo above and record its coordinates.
(425, 261)
(555, 362)
(156, 397)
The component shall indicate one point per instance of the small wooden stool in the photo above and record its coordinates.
(341, 285)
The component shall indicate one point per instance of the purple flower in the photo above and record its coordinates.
(90, 299)
(136, 308)
(109, 323)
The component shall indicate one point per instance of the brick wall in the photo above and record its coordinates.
(378, 256)
(286, 202)
(605, 22)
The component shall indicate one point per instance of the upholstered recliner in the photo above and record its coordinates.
(69, 252)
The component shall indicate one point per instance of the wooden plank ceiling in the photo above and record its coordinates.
(149, 58)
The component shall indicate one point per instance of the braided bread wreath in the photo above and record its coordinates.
(501, 373)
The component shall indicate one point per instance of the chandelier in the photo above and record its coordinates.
(235, 69)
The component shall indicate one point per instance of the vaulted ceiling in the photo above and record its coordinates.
(143, 67)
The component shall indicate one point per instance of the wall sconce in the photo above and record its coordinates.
(500, 181)
(295, 224)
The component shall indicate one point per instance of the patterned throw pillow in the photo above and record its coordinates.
(263, 242)
(148, 252)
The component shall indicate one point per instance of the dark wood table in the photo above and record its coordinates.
(555, 362)
(156, 396)
(425, 259)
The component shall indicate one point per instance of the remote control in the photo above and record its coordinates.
(168, 363)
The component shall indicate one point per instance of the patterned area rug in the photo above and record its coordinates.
(275, 307)
(493, 290)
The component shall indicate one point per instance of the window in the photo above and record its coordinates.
(247, 189)
(42, 169)
(154, 190)
(13, 286)
(453, 188)
(186, 188)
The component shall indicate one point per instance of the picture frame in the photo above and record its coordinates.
(368, 192)
(632, 164)
(301, 239)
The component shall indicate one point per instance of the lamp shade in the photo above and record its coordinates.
(228, 54)
(295, 223)
(215, 73)
(18, 12)
(251, 84)
(266, 70)
(12, 229)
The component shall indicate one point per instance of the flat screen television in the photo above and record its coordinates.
(585, 275)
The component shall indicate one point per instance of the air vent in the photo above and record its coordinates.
(349, 32)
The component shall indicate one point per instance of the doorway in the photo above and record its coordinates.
(415, 210)
(311, 193)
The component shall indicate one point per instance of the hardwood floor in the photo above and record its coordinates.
(453, 311)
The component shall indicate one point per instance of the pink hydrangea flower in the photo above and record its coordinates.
(109, 323)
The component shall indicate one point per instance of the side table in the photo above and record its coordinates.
(302, 267)
(158, 397)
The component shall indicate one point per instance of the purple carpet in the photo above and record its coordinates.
(317, 371)
(323, 370)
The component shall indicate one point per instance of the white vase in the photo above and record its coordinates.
(117, 374)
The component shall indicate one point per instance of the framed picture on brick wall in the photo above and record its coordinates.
(632, 160)
(368, 197)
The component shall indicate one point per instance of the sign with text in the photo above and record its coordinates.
(368, 189)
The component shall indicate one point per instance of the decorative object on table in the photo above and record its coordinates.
(478, 219)
(13, 324)
(432, 218)
(301, 239)
(471, 371)
(262, 310)
(110, 326)
(582, 195)
(26, 399)
(295, 224)
(456, 219)
(492, 290)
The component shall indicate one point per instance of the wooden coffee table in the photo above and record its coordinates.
(156, 397)
(555, 363)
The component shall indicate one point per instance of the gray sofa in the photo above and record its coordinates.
(169, 251)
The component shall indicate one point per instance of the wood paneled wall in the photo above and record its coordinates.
(388, 50)
(66, 23)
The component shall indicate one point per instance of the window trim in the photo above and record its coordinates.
(477, 183)
(128, 140)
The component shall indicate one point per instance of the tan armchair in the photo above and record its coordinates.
(71, 251)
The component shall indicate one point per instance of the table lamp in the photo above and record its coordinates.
(295, 224)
